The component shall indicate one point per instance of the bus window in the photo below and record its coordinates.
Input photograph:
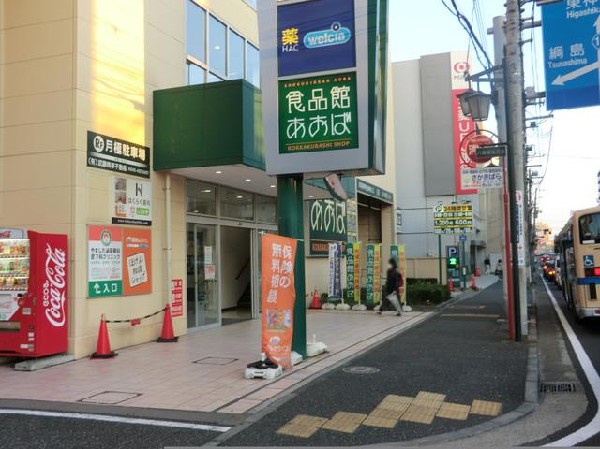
(589, 228)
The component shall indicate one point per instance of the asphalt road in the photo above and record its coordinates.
(33, 432)
(462, 353)
(588, 333)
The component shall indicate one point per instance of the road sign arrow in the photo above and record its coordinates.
(562, 79)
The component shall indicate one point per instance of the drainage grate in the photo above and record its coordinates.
(557, 387)
(360, 370)
(214, 361)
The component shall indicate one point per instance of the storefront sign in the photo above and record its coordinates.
(335, 268)
(119, 261)
(318, 114)
(373, 273)
(315, 36)
(176, 297)
(398, 221)
(278, 296)
(210, 272)
(353, 272)
(402, 269)
(482, 178)
(373, 191)
(327, 224)
(132, 202)
(352, 220)
(520, 229)
(453, 219)
(109, 153)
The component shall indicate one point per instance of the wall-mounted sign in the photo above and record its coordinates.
(318, 114)
(453, 219)
(315, 36)
(373, 191)
(327, 224)
(490, 151)
(132, 201)
(119, 261)
(352, 220)
(176, 297)
(110, 153)
(520, 228)
(482, 178)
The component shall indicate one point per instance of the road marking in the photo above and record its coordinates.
(591, 429)
(116, 419)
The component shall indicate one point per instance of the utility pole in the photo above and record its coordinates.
(515, 126)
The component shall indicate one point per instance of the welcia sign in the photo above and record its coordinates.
(315, 36)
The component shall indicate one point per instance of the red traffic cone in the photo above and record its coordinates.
(103, 350)
(473, 284)
(166, 334)
(451, 284)
(316, 302)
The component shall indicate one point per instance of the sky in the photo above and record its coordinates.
(564, 145)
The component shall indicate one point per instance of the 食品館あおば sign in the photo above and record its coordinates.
(117, 155)
(318, 114)
(327, 224)
(315, 36)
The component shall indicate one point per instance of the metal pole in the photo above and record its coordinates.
(440, 257)
(513, 75)
(290, 223)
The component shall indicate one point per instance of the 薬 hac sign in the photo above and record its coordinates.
(110, 153)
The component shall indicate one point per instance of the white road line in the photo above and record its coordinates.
(593, 427)
(116, 419)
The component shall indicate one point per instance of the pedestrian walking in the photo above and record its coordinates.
(499, 268)
(488, 265)
(393, 284)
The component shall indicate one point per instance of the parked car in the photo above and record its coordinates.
(550, 272)
(558, 274)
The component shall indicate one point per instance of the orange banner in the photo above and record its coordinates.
(278, 295)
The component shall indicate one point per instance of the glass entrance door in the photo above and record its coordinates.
(257, 268)
(202, 281)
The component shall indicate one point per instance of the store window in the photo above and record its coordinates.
(201, 198)
(236, 61)
(253, 65)
(196, 31)
(237, 204)
(266, 209)
(195, 74)
(217, 41)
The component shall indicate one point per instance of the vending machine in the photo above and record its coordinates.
(33, 293)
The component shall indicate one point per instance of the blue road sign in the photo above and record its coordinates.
(571, 31)
(463, 237)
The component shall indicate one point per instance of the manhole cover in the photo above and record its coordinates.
(557, 387)
(360, 370)
(110, 397)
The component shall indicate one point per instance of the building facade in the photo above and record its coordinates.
(85, 91)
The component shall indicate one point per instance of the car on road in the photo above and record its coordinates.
(550, 272)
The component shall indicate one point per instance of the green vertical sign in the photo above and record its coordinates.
(370, 274)
(350, 272)
(394, 252)
(318, 113)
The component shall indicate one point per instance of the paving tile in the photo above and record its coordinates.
(451, 410)
(308, 421)
(345, 422)
(295, 430)
(419, 414)
(387, 413)
(393, 402)
(429, 403)
(487, 408)
(427, 395)
(376, 421)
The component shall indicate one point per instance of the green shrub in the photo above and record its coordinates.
(422, 293)
(412, 281)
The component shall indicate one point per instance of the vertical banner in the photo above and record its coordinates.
(335, 268)
(394, 252)
(176, 297)
(353, 272)
(278, 295)
(370, 274)
(520, 229)
(356, 272)
(377, 274)
(402, 269)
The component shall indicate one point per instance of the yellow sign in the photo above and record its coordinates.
(289, 36)
(402, 268)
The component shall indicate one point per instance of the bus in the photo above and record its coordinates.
(578, 244)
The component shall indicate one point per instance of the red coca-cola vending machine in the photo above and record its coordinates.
(33, 293)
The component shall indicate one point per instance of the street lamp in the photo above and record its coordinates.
(475, 104)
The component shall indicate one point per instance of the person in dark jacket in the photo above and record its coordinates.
(393, 284)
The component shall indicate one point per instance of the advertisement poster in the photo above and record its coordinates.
(520, 229)
(370, 274)
(335, 268)
(327, 224)
(353, 272)
(377, 274)
(132, 201)
(453, 218)
(119, 261)
(176, 297)
(278, 296)
(402, 269)
(117, 155)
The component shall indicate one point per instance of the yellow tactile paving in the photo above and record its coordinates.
(451, 410)
(488, 408)
(393, 402)
(308, 421)
(377, 421)
(387, 413)
(419, 414)
(295, 430)
(429, 403)
(431, 396)
(345, 422)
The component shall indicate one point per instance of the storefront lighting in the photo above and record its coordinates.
(272, 186)
(206, 191)
(239, 197)
(475, 104)
(247, 180)
(218, 172)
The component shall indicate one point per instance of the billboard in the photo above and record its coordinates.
(453, 219)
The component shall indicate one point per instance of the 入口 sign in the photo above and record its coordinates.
(453, 219)
(110, 153)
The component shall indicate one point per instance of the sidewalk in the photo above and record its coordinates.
(455, 371)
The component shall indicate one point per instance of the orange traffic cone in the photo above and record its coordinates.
(473, 284)
(316, 302)
(451, 284)
(103, 350)
(166, 335)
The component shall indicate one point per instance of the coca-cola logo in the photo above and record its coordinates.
(54, 288)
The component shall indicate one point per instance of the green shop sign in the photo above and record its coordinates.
(373, 191)
(328, 224)
(318, 114)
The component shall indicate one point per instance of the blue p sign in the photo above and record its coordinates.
(452, 256)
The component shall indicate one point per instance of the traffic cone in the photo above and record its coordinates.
(103, 350)
(451, 285)
(473, 284)
(166, 334)
(316, 302)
